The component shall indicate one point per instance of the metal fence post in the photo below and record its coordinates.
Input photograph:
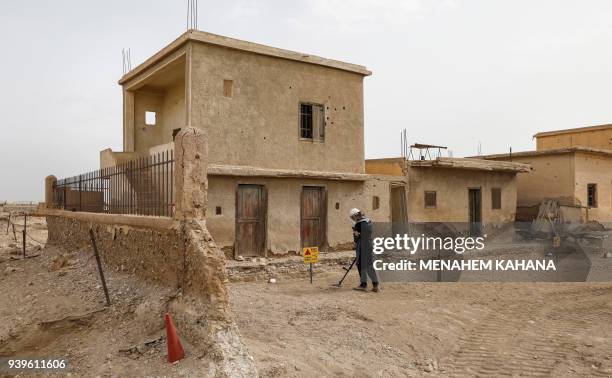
(25, 227)
(95, 248)
(80, 193)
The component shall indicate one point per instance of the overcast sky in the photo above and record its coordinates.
(451, 72)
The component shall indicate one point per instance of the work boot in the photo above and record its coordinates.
(376, 288)
(361, 287)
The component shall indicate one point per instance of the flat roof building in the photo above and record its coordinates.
(456, 189)
(598, 137)
(285, 136)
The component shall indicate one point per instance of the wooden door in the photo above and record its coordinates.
(313, 210)
(398, 204)
(475, 209)
(251, 206)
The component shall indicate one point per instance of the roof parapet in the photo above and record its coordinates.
(471, 164)
(237, 44)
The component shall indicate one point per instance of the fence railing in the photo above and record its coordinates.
(141, 187)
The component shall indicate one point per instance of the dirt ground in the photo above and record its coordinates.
(52, 305)
(293, 328)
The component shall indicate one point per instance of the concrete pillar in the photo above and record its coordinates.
(128, 121)
(191, 183)
(50, 182)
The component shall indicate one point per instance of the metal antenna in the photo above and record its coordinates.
(126, 60)
(192, 14)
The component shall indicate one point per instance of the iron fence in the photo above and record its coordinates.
(142, 186)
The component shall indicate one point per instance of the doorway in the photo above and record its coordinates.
(313, 216)
(251, 209)
(398, 204)
(475, 209)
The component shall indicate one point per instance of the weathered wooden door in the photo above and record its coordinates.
(251, 206)
(475, 209)
(314, 216)
(398, 204)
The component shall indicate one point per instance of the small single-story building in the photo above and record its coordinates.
(456, 189)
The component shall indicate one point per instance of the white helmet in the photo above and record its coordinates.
(354, 211)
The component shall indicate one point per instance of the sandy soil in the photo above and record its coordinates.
(293, 328)
(52, 305)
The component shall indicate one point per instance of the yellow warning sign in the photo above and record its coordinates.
(311, 255)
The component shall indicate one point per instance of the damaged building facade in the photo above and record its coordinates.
(285, 138)
(460, 190)
(573, 166)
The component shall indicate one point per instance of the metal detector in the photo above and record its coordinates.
(346, 273)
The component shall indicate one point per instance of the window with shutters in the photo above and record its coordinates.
(592, 195)
(496, 198)
(430, 199)
(312, 122)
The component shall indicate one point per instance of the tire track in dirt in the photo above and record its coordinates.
(508, 343)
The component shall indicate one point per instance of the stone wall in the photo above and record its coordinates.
(154, 255)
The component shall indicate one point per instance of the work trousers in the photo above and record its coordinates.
(365, 265)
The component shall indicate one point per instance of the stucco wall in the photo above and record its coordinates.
(169, 105)
(258, 126)
(284, 201)
(594, 169)
(451, 186)
(552, 176)
(391, 166)
(601, 139)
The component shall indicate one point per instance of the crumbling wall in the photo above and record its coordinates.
(151, 254)
(178, 252)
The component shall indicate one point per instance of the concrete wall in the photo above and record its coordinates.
(259, 124)
(598, 138)
(594, 169)
(284, 201)
(552, 176)
(169, 106)
(451, 186)
(390, 166)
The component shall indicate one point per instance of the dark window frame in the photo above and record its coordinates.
(428, 204)
(496, 198)
(308, 128)
(592, 195)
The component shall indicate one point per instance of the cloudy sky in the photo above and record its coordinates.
(452, 72)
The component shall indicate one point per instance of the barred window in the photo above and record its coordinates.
(592, 195)
(430, 199)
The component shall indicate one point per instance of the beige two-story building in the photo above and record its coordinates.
(285, 137)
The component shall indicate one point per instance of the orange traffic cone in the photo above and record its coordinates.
(175, 349)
